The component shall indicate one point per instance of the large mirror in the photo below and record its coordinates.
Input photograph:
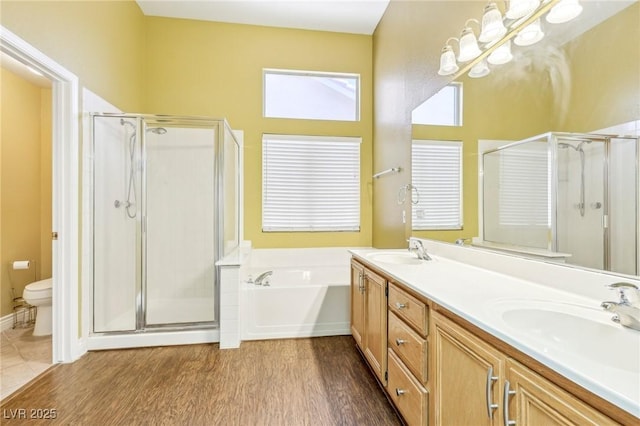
(582, 77)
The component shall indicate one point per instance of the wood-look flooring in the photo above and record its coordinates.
(318, 381)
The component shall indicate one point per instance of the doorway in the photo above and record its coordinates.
(67, 346)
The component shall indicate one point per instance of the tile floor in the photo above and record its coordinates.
(22, 358)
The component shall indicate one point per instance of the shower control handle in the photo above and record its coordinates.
(597, 205)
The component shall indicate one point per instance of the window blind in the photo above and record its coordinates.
(524, 188)
(310, 183)
(436, 173)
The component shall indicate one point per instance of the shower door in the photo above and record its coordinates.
(581, 201)
(157, 185)
(179, 228)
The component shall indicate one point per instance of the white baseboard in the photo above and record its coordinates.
(6, 322)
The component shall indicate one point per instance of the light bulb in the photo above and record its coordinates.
(519, 8)
(564, 11)
(492, 26)
(468, 46)
(530, 34)
(448, 63)
(479, 70)
(501, 55)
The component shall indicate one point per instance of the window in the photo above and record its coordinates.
(524, 187)
(310, 183)
(442, 109)
(436, 173)
(311, 95)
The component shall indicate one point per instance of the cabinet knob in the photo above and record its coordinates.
(400, 342)
(401, 305)
(400, 392)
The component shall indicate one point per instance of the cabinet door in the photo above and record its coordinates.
(375, 324)
(357, 303)
(533, 400)
(467, 379)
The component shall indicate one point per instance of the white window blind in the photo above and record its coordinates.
(524, 187)
(436, 173)
(310, 183)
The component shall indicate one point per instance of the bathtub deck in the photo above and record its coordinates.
(318, 381)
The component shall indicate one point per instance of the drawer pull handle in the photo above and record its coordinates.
(489, 396)
(401, 305)
(400, 342)
(505, 410)
(400, 392)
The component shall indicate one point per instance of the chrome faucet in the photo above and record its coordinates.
(416, 246)
(263, 278)
(462, 241)
(627, 312)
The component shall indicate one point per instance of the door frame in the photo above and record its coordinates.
(67, 343)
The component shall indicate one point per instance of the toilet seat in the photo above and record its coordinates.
(38, 290)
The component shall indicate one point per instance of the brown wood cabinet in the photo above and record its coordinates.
(532, 400)
(357, 303)
(408, 356)
(369, 304)
(467, 383)
(443, 370)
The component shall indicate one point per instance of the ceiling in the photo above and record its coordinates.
(346, 16)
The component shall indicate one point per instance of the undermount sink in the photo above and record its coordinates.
(397, 258)
(579, 330)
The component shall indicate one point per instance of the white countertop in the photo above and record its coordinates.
(479, 296)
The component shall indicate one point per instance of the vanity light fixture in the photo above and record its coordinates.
(480, 69)
(530, 34)
(564, 11)
(492, 26)
(501, 55)
(520, 8)
(448, 64)
(468, 43)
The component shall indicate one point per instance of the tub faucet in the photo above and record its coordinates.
(263, 278)
(416, 246)
(627, 312)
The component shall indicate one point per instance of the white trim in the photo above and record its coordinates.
(67, 346)
(6, 322)
(141, 340)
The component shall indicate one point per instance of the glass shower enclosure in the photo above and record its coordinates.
(165, 209)
(574, 195)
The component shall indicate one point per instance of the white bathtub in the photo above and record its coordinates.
(300, 301)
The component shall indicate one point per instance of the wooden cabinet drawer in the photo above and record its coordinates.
(409, 396)
(408, 308)
(409, 346)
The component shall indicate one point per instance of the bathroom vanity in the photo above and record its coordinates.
(455, 344)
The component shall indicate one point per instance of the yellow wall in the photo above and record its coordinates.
(26, 188)
(99, 41)
(605, 74)
(215, 69)
(605, 90)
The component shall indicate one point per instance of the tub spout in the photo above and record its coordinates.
(263, 278)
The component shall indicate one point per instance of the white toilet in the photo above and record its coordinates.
(39, 294)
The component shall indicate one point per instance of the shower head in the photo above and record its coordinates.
(577, 148)
(124, 122)
(157, 130)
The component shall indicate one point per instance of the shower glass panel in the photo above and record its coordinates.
(231, 188)
(581, 200)
(517, 203)
(165, 210)
(180, 225)
(574, 196)
(624, 217)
